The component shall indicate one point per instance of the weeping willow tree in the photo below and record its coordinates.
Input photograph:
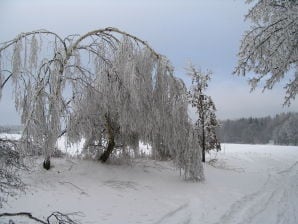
(104, 85)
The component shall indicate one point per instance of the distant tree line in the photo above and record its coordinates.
(280, 130)
(10, 129)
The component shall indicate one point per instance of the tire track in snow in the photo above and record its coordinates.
(180, 215)
(274, 203)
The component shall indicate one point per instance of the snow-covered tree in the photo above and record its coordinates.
(287, 132)
(44, 67)
(107, 86)
(206, 123)
(136, 100)
(270, 48)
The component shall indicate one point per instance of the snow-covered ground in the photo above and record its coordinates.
(10, 136)
(255, 184)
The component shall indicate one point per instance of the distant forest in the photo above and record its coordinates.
(10, 129)
(280, 130)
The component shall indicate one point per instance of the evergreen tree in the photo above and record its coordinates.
(206, 123)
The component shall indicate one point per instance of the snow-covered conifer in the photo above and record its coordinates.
(206, 123)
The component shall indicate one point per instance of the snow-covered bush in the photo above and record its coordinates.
(10, 163)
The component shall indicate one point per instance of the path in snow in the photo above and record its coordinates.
(180, 215)
(275, 203)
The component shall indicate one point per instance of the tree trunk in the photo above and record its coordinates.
(111, 141)
(47, 163)
(203, 140)
(203, 152)
(106, 154)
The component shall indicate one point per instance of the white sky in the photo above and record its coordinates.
(207, 33)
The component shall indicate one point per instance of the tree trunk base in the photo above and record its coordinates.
(203, 156)
(106, 154)
(111, 140)
(47, 163)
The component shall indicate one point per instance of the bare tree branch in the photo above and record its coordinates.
(27, 214)
(55, 217)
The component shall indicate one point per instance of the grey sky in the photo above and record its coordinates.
(205, 32)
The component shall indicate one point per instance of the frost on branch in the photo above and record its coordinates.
(270, 48)
(106, 86)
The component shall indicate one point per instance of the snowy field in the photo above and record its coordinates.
(244, 184)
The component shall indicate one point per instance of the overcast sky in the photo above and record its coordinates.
(207, 33)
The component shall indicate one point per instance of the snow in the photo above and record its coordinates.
(75, 149)
(62, 144)
(10, 136)
(246, 184)
(72, 149)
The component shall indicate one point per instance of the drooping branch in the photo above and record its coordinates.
(26, 34)
(6, 79)
(269, 48)
(107, 31)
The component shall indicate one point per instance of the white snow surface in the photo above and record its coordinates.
(247, 184)
(62, 144)
(10, 136)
